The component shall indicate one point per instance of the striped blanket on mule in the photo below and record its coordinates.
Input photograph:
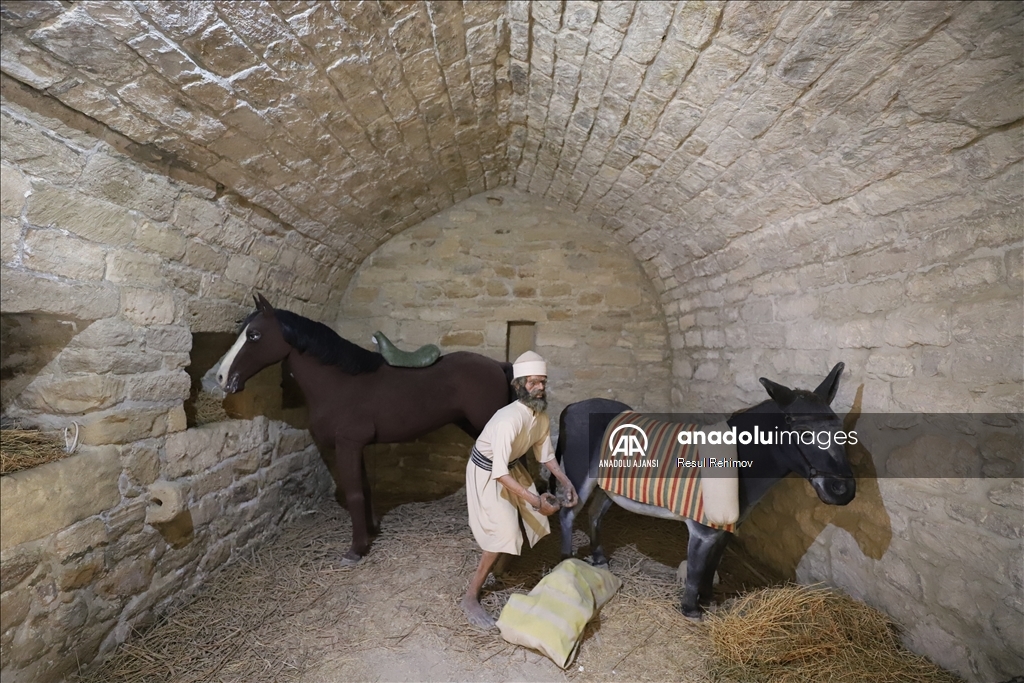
(655, 478)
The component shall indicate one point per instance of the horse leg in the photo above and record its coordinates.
(703, 552)
(348, 465)
(372, 522)
(599, 505)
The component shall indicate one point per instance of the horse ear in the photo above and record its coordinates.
(262, 304)
(780, 394)
(828, 388)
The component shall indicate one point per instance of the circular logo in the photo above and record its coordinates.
(629, 443)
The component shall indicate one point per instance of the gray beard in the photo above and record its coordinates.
(537, 405)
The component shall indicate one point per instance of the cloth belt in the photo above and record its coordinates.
(481, 461)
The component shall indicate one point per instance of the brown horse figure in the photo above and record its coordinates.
(356, 399)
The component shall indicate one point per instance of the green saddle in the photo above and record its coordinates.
(420, 358)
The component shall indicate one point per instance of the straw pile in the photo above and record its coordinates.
(21, 449)
(209, 408)
(799, 634)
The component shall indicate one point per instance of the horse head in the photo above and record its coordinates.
(811, 439)
(260, 343)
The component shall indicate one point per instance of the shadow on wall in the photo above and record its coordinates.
(28, 342)
(784, 526)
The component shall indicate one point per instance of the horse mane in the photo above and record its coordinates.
(763, 405)
(323, 343)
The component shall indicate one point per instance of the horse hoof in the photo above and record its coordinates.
(349, 559)
(694, 615)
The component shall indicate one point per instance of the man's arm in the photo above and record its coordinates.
(570, 490)
(546, 504)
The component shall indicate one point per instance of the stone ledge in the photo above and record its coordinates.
(43, 500)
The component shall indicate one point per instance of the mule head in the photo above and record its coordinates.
(259, 344)
(811, 437)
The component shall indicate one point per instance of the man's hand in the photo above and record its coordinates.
(548, 504)
(569, 493)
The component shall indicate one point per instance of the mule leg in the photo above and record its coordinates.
(567, 516)
(705, 596)
(599, 505)
(348, 464)
(703, 552)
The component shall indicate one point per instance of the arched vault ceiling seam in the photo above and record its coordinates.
(775, 113)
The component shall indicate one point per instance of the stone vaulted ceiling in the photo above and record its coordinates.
(720, 140)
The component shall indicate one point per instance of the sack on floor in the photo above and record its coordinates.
(552, 617)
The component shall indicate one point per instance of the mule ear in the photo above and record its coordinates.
(262, 304)
(828, 388)
(780, 394)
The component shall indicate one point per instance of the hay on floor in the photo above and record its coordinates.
(21, 449)
(290, 613)
(800, 634)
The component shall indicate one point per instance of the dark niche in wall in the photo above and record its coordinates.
(272, 392)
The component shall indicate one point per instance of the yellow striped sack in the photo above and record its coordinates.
(552, 617)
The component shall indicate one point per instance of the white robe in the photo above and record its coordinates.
(494, 511)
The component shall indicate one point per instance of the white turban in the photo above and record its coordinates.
(529, 363)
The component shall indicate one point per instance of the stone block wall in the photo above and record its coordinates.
(81, 565)
(349, 121)
(458, 279)
(129, 261)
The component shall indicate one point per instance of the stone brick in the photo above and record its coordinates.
(78, 39)
(204, 257)
(214, 316)
(169, 338)
(14, 187)
(89, 218)
(158, 100)
(119, 361)
(37, 154)
(10, 239)
(716, 69)
(155, 387)
(132, 267)
(122, 182)
(745, 26)
(24, 292)
(45, 499)
(124, 426)
(167, 58)
(147, 307)
(929, 325)
(29, 14)
(194, 450)
(164, 240)
(72, 395)
(52, 252)
(105, 334)
(220, 50)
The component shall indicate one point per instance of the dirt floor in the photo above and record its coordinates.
(290, 614)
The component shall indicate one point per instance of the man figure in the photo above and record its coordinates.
(499, 489)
